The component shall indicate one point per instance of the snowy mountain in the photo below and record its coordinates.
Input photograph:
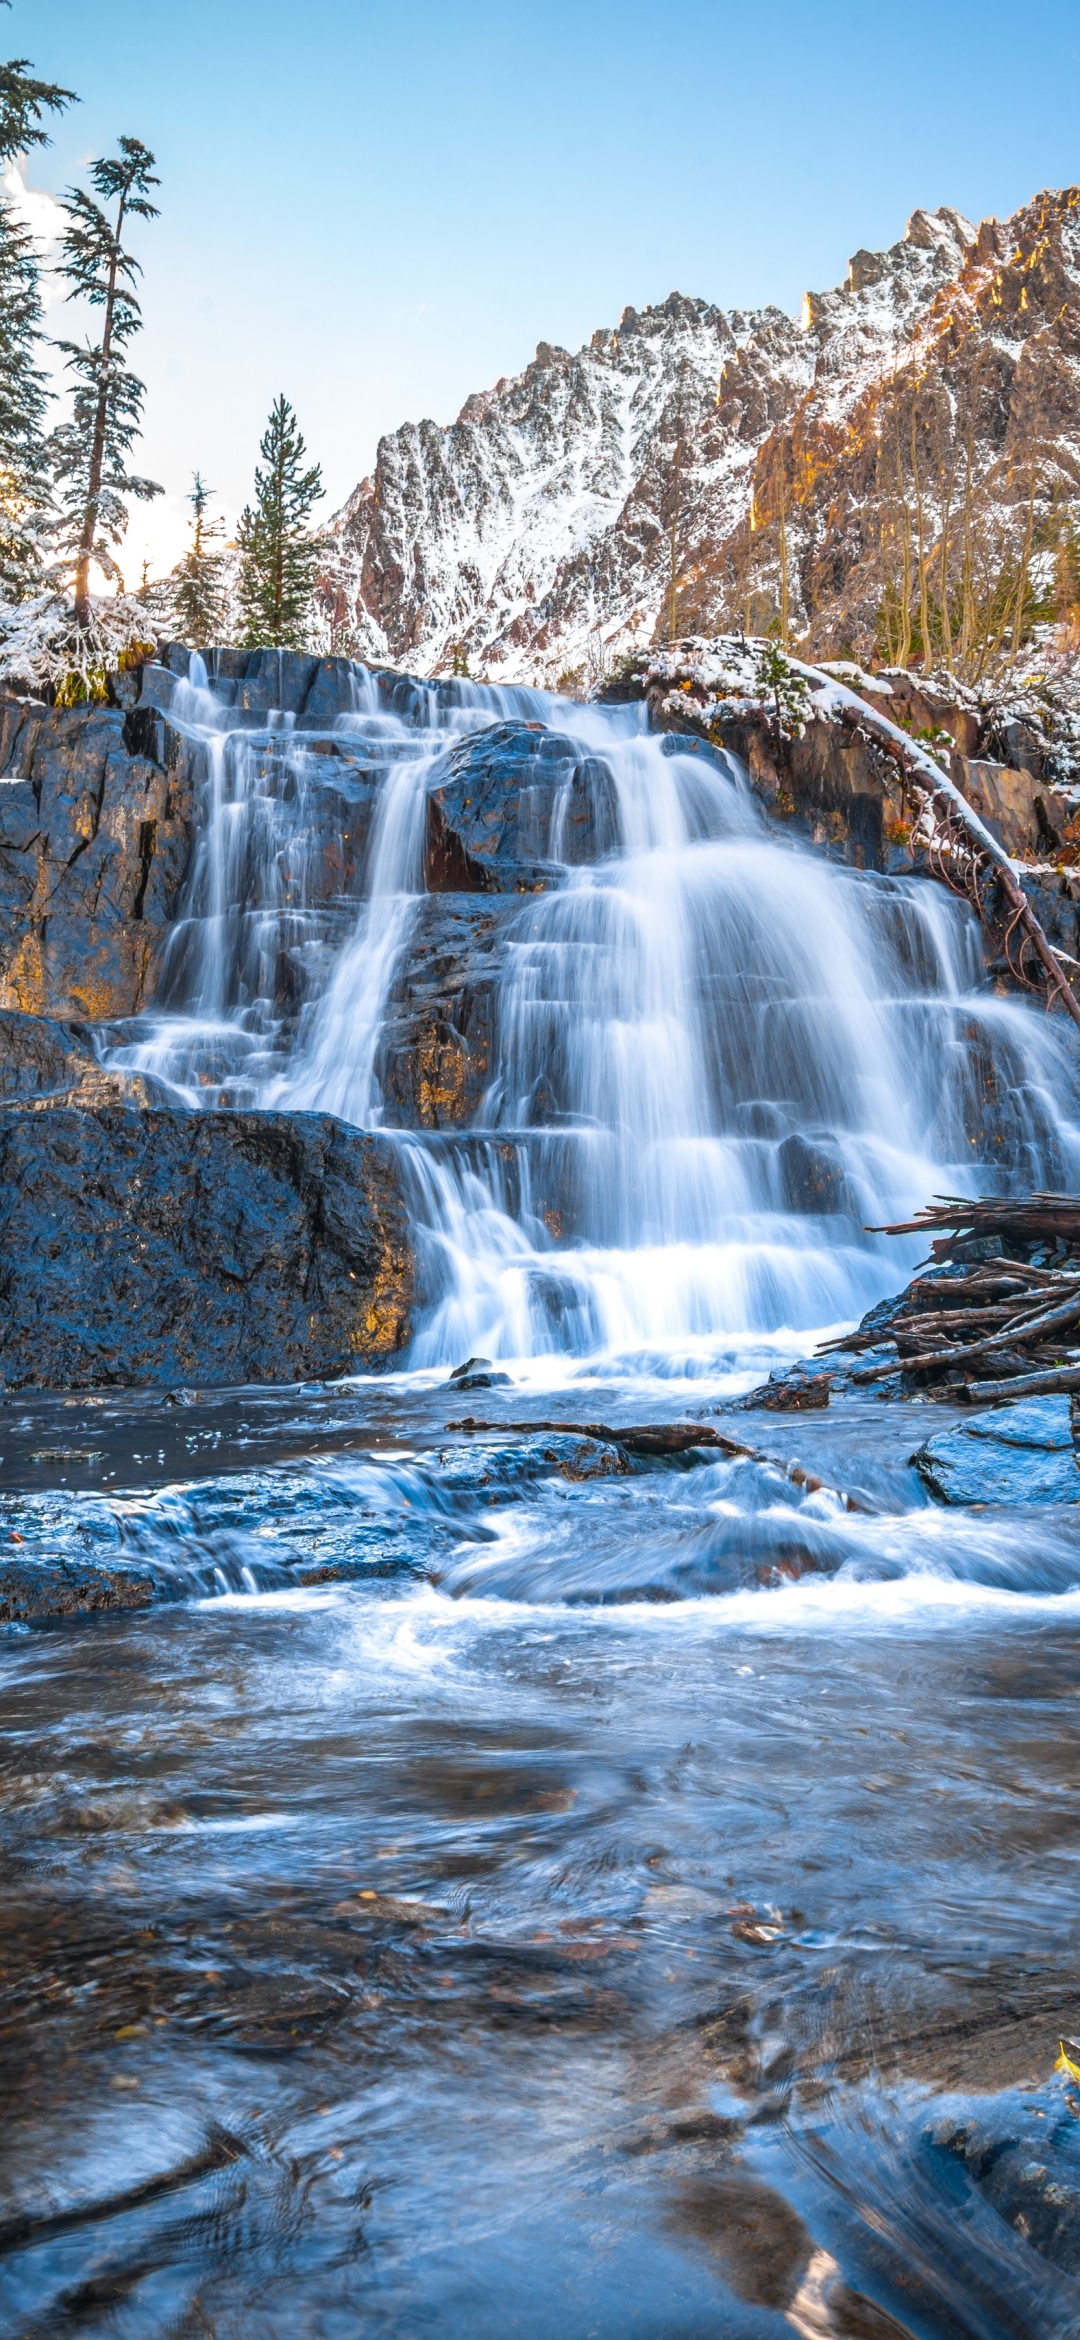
(692, 467)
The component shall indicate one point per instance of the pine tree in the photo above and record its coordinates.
(199, 600)
(25, 501)
(90, 452)
(278, 558)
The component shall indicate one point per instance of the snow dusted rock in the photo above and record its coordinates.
(534, 535)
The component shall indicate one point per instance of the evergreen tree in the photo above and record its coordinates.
(25, 501)
(199, 600)
(90, 452)
(278, 558)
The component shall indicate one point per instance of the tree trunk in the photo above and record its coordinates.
(97, 448)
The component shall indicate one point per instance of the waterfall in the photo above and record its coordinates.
(718, 1055)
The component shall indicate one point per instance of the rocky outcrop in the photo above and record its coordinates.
(95, 833)
(166, 1248)
(534, 535)
(437, 1047)
(516, 803)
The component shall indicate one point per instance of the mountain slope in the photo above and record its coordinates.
(668, 476)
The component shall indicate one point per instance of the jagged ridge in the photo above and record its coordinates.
(534, 535)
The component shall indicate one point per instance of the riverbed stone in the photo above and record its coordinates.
(1018, 1453)
(164, 1248)
(33, 1592)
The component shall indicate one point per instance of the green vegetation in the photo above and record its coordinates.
(90, 451)
(200, 594)
(278, 555)
(25, 484)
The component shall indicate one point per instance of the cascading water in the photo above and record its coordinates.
(718, 1056)
(498, 1878)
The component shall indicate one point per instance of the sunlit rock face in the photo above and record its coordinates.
(602, 498)
(95, 832)
(171, 1247)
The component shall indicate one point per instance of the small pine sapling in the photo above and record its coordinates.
(773, 677)
(200, 595)
(278, 556)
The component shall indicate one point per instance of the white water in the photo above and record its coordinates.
(691, 1035)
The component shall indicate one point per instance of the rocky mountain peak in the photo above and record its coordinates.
(659, 478)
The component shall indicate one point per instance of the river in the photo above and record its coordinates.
(634, 1901)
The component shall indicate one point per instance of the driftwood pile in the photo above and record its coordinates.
(1000, 1316)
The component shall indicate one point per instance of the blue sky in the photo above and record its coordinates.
(380, 209)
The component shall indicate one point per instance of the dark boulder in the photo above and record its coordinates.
(436, 1051)
(170, 1248)
(813, 1182)
(789, 1393)
(511, 804)
(39, 1056)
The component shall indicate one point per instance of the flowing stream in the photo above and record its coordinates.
(496, 1889)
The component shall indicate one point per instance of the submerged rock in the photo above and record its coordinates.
(1020, 1453)
(33, 1591)
(170, 1247)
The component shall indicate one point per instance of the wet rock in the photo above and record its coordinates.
(39, 1056)
(95, 835)
(165, 1247)
(515, 802)
(1027, 2169)
(787, 1393)
(813, 1181)
(32, 1591)
(478, 1373)
(1020, 1453)
(436, 1052)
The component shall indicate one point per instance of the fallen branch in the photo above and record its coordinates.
(667, 1438)
(956, 834)
(1058, 1377)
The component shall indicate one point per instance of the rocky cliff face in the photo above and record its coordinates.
(649, 483)
(212, 1248)
(95, 832)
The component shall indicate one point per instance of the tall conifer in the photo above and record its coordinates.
(25, 502)
(91, 450)
(278, 557)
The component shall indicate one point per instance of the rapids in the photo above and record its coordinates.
(497, 1888)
